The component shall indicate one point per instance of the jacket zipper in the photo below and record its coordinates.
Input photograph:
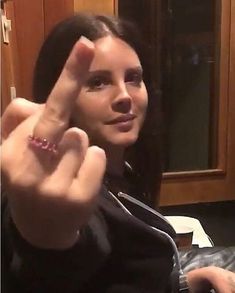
(147, 208)
(141, 204)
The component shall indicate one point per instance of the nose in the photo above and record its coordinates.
(123, 101)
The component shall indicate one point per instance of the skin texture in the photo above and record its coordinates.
(203, 279)
(57, 191)
(63, 194)
(46, 190)
(114, 87)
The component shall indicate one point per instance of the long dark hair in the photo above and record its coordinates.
(143, 156)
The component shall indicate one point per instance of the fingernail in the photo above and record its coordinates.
(86, 42)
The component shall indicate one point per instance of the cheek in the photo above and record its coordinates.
(88, 111)
(143, 102)
(142, 108)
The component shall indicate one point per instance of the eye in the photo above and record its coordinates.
(97, 82)
(134, 77)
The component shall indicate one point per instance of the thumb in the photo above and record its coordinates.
(16, 112)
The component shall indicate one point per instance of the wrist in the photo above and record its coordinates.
(55, 242)
(46, 238)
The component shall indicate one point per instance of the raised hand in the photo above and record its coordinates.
(207, 278)
(52, 195)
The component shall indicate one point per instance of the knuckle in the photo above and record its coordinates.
(77, 139)
(46, 190)
(52, 190)
(21, 181)
(54, 116)
(6, 162)
(14, 106)
(54, 120)
(16, 174)
(84, 138)
(21, 105)
(17, 103)
(98, 154)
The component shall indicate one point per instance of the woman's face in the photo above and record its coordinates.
(112, 103)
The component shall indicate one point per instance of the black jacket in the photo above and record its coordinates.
(116, 252)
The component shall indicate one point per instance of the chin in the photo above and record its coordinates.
(124, 140)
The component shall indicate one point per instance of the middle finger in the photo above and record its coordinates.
(56, 115)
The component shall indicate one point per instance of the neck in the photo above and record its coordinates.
(115, 161)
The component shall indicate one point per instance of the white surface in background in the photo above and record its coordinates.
(200, 237)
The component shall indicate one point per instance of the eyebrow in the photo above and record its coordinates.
(138, 69)
(107, 72)
(98, 72)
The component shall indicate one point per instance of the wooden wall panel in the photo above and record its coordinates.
(29, 28)
(6, 76)
(102, 6)
(231, 126)
(7, 62)
(55, 11)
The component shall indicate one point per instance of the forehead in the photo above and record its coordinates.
(112, 52)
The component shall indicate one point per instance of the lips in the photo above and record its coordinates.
(123, 118)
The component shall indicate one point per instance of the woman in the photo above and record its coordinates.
(65, 231)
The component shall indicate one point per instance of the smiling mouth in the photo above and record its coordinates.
(123, 119)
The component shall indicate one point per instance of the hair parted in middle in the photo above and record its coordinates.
(52, 57)
(60, 41)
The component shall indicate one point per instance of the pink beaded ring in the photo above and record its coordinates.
(43, 144)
